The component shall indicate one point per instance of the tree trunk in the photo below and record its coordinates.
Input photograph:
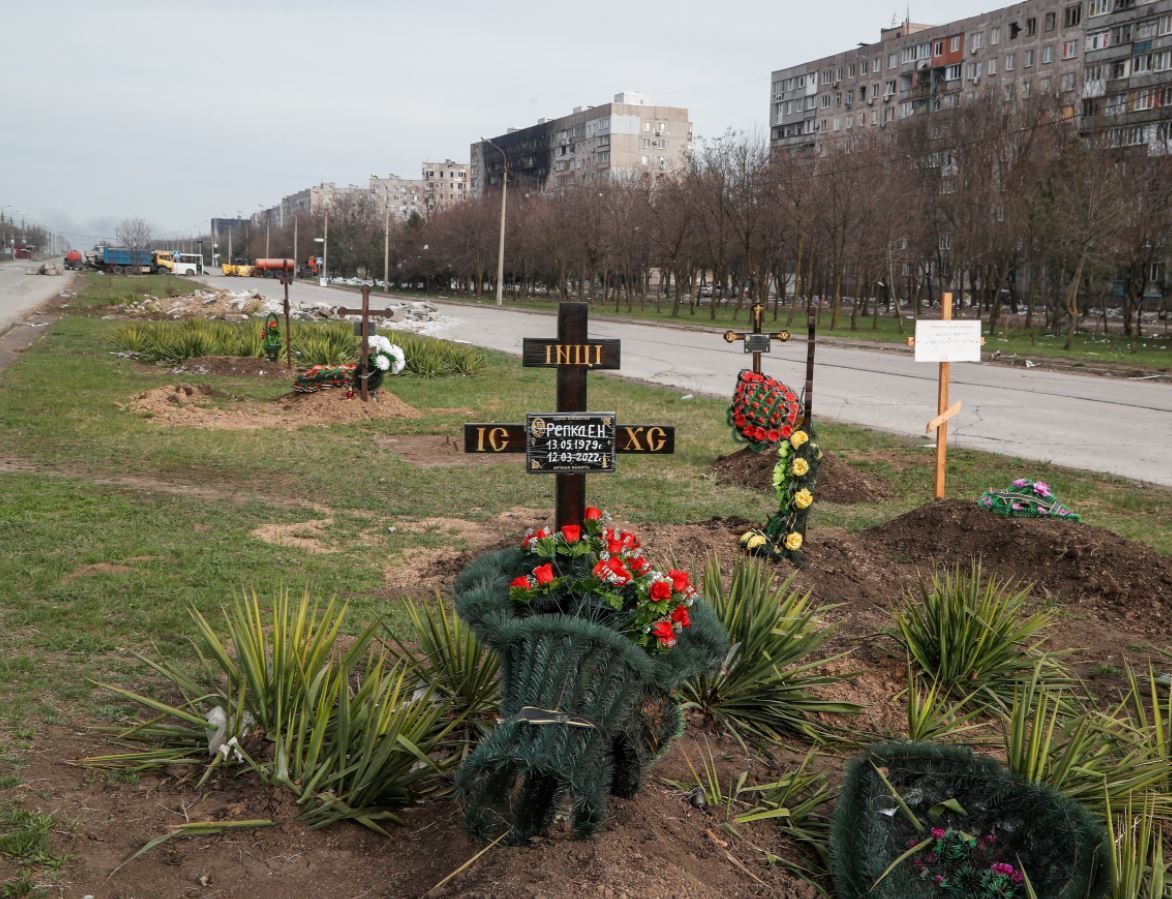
(1072, 303)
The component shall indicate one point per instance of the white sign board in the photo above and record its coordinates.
(948, 341)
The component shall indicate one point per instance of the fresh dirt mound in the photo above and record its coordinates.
(1078, 564)
(438, 450)
(193, 405)
(838, 481)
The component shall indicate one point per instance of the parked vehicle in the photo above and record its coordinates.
(124, 261)
(74, 261)
(187, 264)
(311, 268)
(238, 268)
(272, 268)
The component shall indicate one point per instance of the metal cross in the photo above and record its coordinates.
(758, 340)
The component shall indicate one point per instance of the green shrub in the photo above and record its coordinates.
(431, 358)
(765, 688)
(279, 693)
(1138, 868)
(973, 636)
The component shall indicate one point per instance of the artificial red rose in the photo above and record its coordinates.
(592, 514)
(786, 432)
(542, 533)
(639, 565)
(572, 533)
(600, 569)
(748, 431)
(544, 574)
(774, 436)
(663, 631)
(614, 547)
(793, 416)
(739, 420)
(660, 591)
(760, 434)
(619, 573)
(681, 617)
(519, 583)
(680, 581)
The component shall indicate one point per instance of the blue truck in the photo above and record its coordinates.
(120, 260)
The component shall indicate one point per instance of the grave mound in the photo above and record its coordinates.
(202, 406)
(1077, 564)
(838, 481)
(232, 367)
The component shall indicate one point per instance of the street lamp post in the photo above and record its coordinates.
(500, 258)
(387, 249)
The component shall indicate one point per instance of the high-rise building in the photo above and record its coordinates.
(444, 184)
(402, 197)
(1018, 52)
(1127, 82)
(626, 136)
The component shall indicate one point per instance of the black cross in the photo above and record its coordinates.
(571, 442)
(756, 341)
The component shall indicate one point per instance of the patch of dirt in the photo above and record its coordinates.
(309, 536)
(233, 367)
(189, 405)
(1078, 565)
(438, 450)
(98, 568)
(838, 481)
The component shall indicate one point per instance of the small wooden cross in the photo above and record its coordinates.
(758, 340)
(363, 330)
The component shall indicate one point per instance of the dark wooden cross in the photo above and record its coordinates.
(571, 442)
(363, 330)
(758, 340)
(286, 280)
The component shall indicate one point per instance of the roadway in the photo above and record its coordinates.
(1111, 425)
(20, 293)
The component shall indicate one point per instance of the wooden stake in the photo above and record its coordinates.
(285, 279)
(942, 405)
(363, 392)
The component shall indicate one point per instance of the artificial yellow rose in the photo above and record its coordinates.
(746, 537)
(798, 439)
(800, 467)
(793, 542)
(803, 499)
(756, 541)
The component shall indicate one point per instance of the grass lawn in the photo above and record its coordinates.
(115, 525)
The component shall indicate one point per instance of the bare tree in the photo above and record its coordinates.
(133, 233)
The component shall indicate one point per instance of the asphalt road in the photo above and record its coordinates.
(20, 292)
(1103, 424)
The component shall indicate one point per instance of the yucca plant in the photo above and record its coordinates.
(339, 726)
(973, 636)
(326, 344)
(767, 686)
(441, 651)
(1138, 869)
(1147, 710)
(1089, 755)
(931, 716)
(708, 789)
(431, 358)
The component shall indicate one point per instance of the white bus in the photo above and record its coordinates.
(187, 264)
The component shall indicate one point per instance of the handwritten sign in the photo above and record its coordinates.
(948, 341)
(569, 442)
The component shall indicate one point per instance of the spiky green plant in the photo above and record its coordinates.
(767, 686)
(973, 635)
(1089, 755)
(431, 358)
(930, 714)
(1138, 868)
(441, 651)
(339, 726)
(795, 803)
(324, 344)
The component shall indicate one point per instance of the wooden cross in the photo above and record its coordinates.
(758, 340)
(571, 442)
(363, 329)
(950, 346)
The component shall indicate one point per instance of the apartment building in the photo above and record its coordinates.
(401, 197)
(1021, 51)
(1127, 89)
(624, 137)
(444, 184)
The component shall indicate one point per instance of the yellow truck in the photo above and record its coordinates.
(237, 269)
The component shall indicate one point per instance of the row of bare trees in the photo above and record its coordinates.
(1003, 204)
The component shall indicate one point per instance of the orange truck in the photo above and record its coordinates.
(273, 268)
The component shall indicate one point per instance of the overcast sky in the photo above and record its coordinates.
(177, 112)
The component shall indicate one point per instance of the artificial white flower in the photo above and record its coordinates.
(382, 361)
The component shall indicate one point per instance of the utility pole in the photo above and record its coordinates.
(325, 249)
(387, 249)
(295, 220)
(500, 259)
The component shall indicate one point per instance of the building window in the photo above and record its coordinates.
(1050, 22)
(824, 101)
(938, 48)
(1027, 59)
(1047, 54)
(954, 44)
(1031, 26)
(1072, 15)
(977, 41)
(992, 68)
(850, 70)
(994, 36)
(1067, 82)
(952, 73)
(1098, 40)
(974, 71)
(891, 61)
(1026, 89)
(1098, 8)
(1069, 49)
(1010, 62)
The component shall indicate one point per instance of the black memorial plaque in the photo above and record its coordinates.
(569, 442)
(757, 343)
(640, 440)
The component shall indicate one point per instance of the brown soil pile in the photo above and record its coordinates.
(1074, 563)
(838, 481)
(194, 405)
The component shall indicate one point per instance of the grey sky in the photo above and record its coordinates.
(178, 112)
